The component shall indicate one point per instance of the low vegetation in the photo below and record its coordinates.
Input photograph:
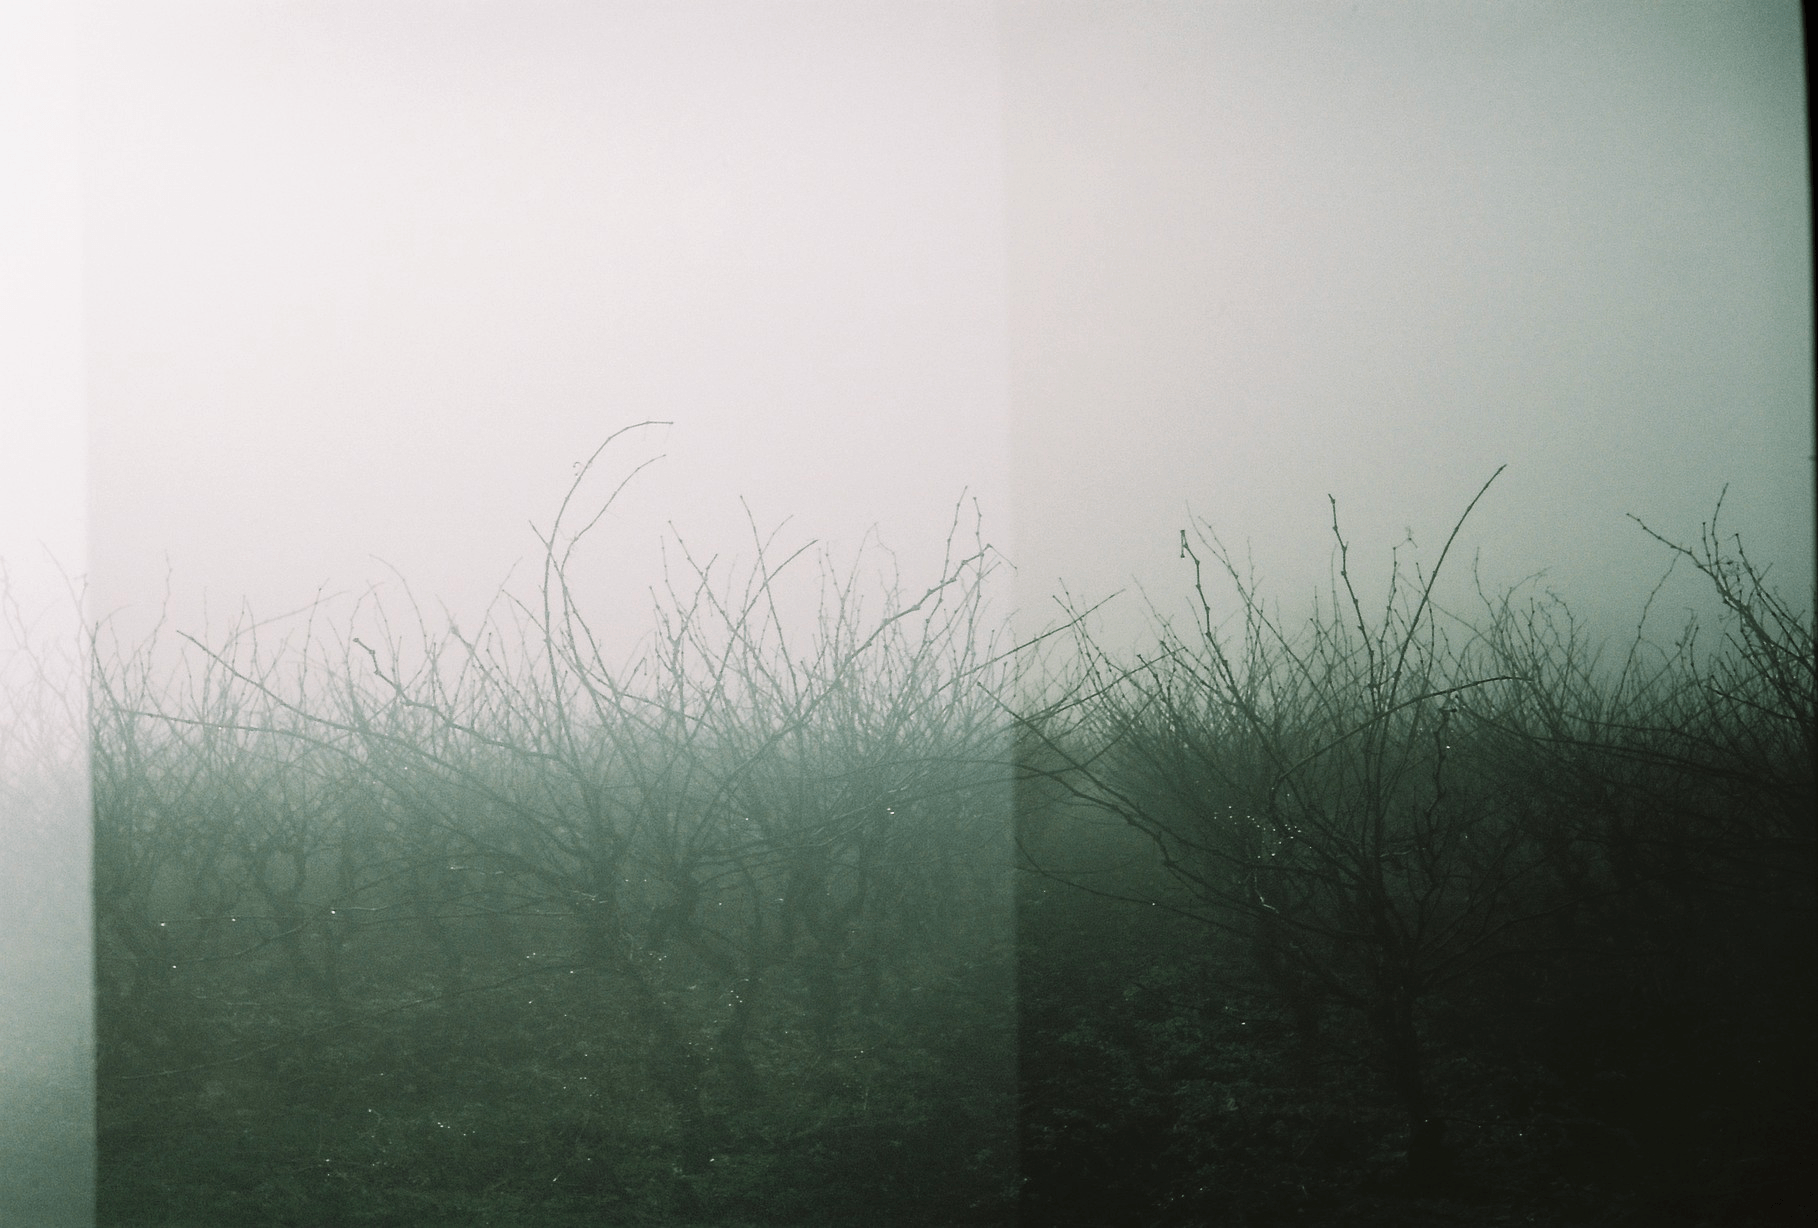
(1395, 914)
(486, 928)
(1399, 916)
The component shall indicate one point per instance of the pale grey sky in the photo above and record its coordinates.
(1261, 253)
(364, 280)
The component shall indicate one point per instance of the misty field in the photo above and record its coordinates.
(1389, 914)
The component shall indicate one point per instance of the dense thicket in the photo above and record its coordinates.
(483, 928)
(1399, 914)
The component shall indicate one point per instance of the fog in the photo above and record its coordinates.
(359, 285)
(363, 284)
(1376, 251)
(46, 1087)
